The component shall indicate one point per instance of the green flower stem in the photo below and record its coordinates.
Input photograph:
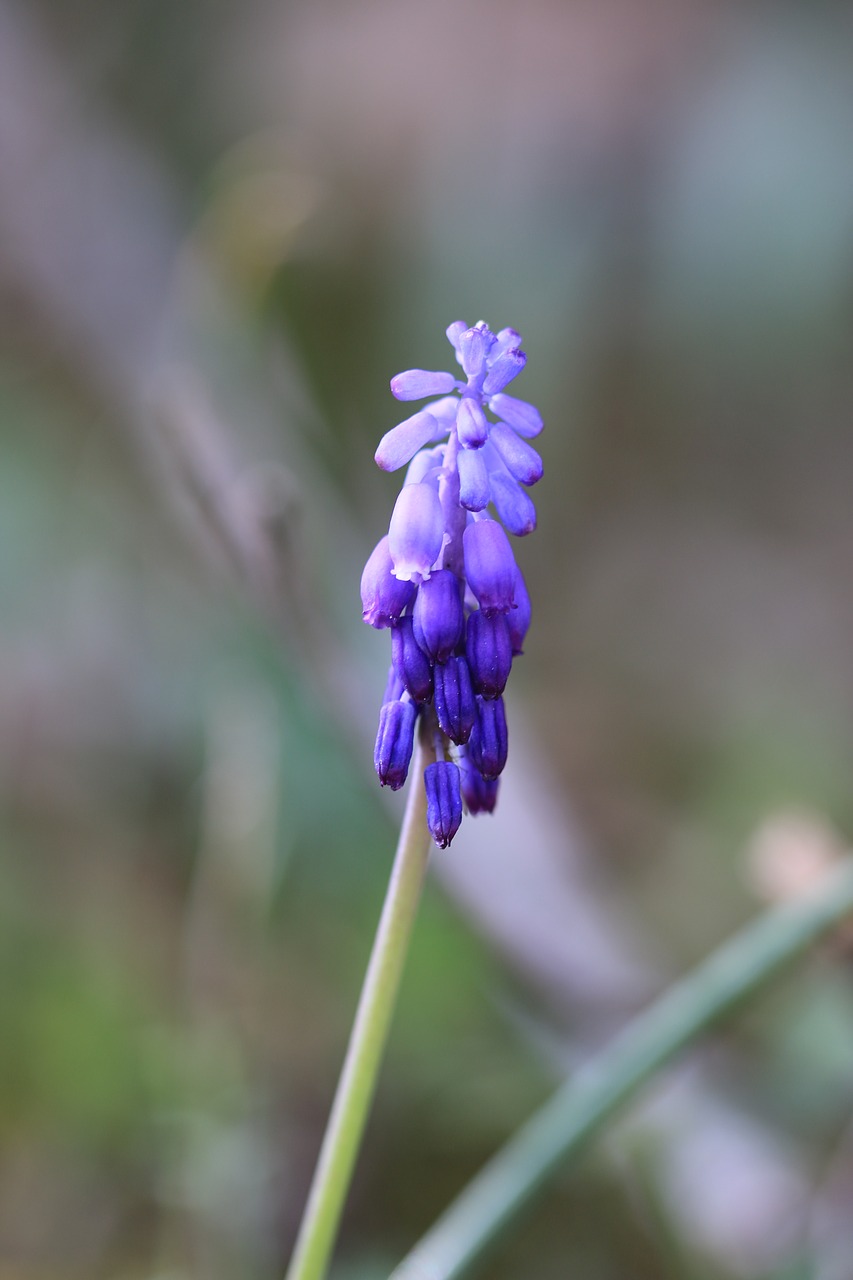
(581, 1107)
(357, 1081)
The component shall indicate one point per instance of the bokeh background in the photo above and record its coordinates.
(222, 229)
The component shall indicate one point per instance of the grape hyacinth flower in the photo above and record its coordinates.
(444, 578)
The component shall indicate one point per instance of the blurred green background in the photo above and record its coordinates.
(222, 229)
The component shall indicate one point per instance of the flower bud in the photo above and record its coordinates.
(522, 417)
(383, 596)
(505, 368)
(414, 384)
(512, 504)
(473, 348)
(488, 744)
(438, 616)
(444, 801)
(455, 706)
(488, 649)
(518, 619)
(394, 687)
(489, 565)
(520, 458)
(416, 533)
(480, 794)
(474, 493)
(399, 445)
(471, 425)
(410, 662)
(395, 741)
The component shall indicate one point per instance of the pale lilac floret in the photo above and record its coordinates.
(445, 578)
(416, 532)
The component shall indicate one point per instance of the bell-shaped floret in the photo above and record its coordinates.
(518, 619)
(489, 565)
(416, 533)
(438, 615)
(410, 662)
(395, 741)
(488, 744)
(455, 706)
(488, 649)
(383, 596)
(444, 801)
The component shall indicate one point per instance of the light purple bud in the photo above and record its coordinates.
(455, 706)
(502, 372)
(504, 341)
(428, 460)
(488, 649)
(489, 741)
(394, 743)
(399, 445)
(416, 533)
(444, 801)
(474, 493)
(489, 565)
(473, 348)
(410, 662)
(383, 597)
(513, 505)
(480, 795)
(518, 619)
(414, 384)
(471, 424)
(438, 616)
(522, 417)
(454, 333)
(522, 460)
(444, 411)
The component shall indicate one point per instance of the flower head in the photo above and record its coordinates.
(444, 579)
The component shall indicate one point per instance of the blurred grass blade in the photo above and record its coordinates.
(582, 1106)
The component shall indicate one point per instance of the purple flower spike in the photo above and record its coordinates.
(383, 597)
(480, 795)
(518, 619)
(445, 579)
(444, 801)
(394, 743)
(522, 417)
(416, 533)
(399, 445)
(455, 706)
(502, 372)
(521, 459)
(414, 384)
(471, 424)
(410, 662)
(488, 744)
(488, 649)
(474, 492)
(512, 504)
(489, 565)
(438, 616)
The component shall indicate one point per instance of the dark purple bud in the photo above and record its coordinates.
(512, 504)
(438, 615)
(489, 565)
(410, 662)
(471, 425)
(416, 532)
(480, 794)
(399, 445)
(455, 705)
(414, 384)
(502, 372)
(394, 743)
(522, 417)
(488, 649)
(488, 743)
(520, 458)
(474, 492)
(518, 619)
(383, 596)
(444, 801)
(394, 687)
(474, 346)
